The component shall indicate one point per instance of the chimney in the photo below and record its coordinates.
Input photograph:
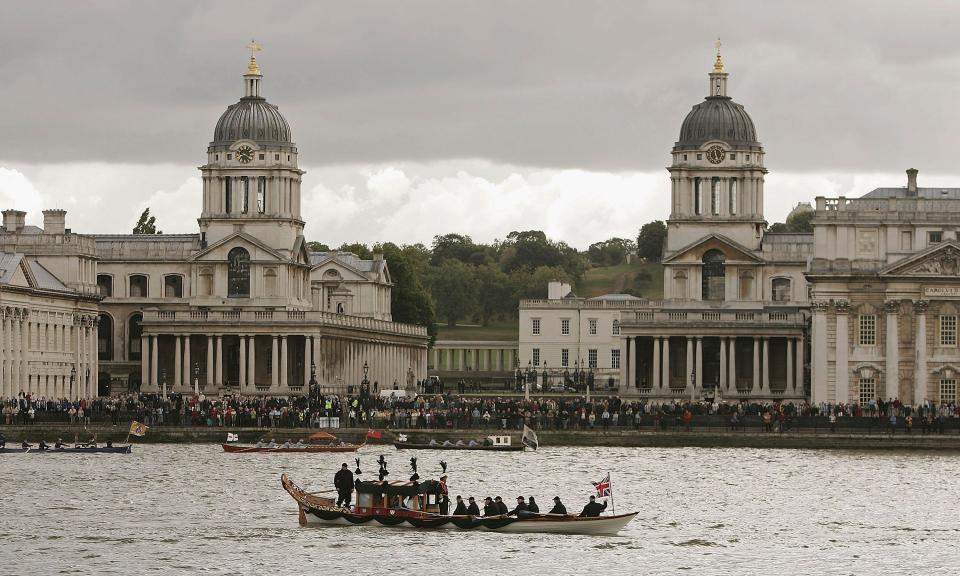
(557, 290)
(54, 221)
(13, 220)
(377, 256)
(912, 182)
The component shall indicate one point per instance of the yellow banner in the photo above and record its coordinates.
(138, 429)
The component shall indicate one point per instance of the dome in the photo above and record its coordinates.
(718, 118)
(252, 118)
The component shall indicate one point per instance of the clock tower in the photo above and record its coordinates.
(251, 181)
(717, 172)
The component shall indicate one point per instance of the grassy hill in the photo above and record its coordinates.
(644, 278)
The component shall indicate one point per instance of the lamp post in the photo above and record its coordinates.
(313, 389)
(526, 381)
(73, 376)
(163, 381)
(196, 378)
(693, 384)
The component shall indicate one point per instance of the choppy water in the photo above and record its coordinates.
(195, 510)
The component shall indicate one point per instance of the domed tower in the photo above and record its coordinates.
(717, 172)
(251, 182)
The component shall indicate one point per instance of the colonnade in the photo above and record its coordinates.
(729, 376)
(476, 359)
(49, 354)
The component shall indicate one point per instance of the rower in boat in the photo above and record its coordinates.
(59, 444)
(558, 507)
(593, 509)
(532, 506)
(461, 509)
(472, 508)
(43, 446)
(26, 445)
(489, 508)
(521, 507)
(501, 506)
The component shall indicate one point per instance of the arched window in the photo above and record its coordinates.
(206, 281)
(138, 286)
(135, 331)
(733, 197)
(238, 273)
(781, 290)
(270, 282)
(104, 337)
(714, 275)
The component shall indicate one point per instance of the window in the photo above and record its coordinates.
(948, 391)
(565, 357)
(244, 194)
(699, 156)
(868, 330)
(934, 237)
(593, 326)
(906, 240)
(261, 156)
(715, 196)
(536, 356)
(138, 286)
(714, 276)
(697, 196)
(105, 284)
(616, 327)
(733, 155)
(615, 358)
(262, 194)
(747, 158)
(868, 390)
(276, 157)
(270, 282)
(684, 157)
(733, 195)
(565, 326)
(592, 358)
(229, 156)
(173, 286)
(238, 273)
(535, 326)
(104, 337)
(781, 290)
(948, 330)
(228, 194)
(135, 332)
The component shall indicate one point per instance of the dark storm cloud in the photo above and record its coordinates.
(595, 85)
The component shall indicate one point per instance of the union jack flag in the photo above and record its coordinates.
(603, 486)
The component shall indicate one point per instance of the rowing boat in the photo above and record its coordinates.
(316, 510)
(308, 449)
(78, 450)
(436, 446)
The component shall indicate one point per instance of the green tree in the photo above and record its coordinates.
(453, 286)
(409, 300)
(496, 295)
(611, 252)
(651, 239)
(799, 221)
(360, 250)
(533, 284)
(317, 247)
(147, 224)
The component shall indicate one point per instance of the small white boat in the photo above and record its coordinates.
(374, 509)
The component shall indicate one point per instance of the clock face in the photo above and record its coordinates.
(716, 154)
(245, 154)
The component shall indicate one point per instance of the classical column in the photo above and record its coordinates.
(283, 361)
(798, 383)
(732, 381)
(690, 367)
(666, 362)
(723, 363)
(892, 391)
(766, 364)
(656, 362)
(843, 377)
(177, 361)
(210, 364)
(699, 384)
(144, 360)
(243, 363)
(275, 365)
(218, 363)
(252, 361)
(818, 354)
(920, 391)
(307, 358)
(630, 381)
(755, 384)
(154, 358)
(790, 384)
(187, 372)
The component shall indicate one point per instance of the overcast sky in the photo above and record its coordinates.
(422, 118)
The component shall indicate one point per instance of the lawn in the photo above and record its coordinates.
(499, 330)
(617, 279)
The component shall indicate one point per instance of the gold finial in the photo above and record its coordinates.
(718, 65)
(252, 67)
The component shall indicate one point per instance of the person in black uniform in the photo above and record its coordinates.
(558, 507)
(472, 508)
(59, 444)
(501, 507)
(593, 509)
(490, 508)
(444, 504)
(521, 507)
(532, 506)
(461, 508)
(343, 482)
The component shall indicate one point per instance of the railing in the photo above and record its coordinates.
(167, 315)
(778, 316)
(574, 303)
(676, 316)
(714, 316)
(646, 317)
(744, 317)
(263, 315)
(198, 314)
(231, 315)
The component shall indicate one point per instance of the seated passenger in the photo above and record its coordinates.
(593, 509)
(521, 507)
(558, 507)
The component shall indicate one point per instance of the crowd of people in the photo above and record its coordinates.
(452, 411)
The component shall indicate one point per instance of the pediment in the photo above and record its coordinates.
(333, 270)
(259, 252)
(733, 251)
(940, 260)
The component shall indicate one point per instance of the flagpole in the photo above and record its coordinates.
(613, 505)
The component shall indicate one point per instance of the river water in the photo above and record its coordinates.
(169, 509)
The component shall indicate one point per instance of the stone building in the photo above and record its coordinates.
(243, 305)
(886, 295)
(733, 319)
(48, 308)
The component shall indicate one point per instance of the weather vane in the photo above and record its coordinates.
(254, 48)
